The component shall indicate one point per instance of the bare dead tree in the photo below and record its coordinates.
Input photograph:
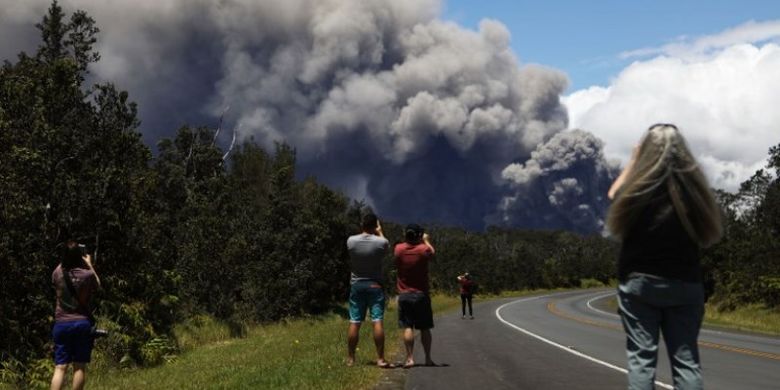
(189, 155)
(232, 143)
(219, 126)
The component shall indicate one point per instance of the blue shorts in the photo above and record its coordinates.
(366, 294)
(73, 342)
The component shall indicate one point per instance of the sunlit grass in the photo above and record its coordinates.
(521, 293)
(754, 318)
(200, 330)
(304, 353)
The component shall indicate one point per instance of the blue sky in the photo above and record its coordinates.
(585, 38)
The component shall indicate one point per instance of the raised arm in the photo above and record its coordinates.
(427, 240)
(379, 231)
(88, 260)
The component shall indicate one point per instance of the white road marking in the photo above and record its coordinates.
(591, 307)
(560, 346)
(599, 310)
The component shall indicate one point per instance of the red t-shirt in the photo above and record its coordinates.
(466, 286)
(411, 261)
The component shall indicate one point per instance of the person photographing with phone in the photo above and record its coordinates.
(467, 287)
(412, 258)
(366, 252)
(664, 212)
(75, 282)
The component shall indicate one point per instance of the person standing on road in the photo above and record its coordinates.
(467, 287)
(366, 252)
(412, 258)
(663, 212)
(75, 282)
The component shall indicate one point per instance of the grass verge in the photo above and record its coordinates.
(307, 353)
(752, 318)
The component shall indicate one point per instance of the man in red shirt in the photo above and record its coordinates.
(414, 304)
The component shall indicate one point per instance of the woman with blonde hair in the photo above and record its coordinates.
(663, 212)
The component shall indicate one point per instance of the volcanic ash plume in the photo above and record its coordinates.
(382, 99)
(416, 115)
(563, 185)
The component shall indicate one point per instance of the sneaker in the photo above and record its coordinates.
(463, 317)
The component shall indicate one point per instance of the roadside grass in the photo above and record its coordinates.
(751, 318)
(302, 354)
(306, 353)
(521, 293)
(201, 330)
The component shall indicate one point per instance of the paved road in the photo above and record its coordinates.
(568, 341)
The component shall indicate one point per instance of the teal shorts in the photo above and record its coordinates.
(366, 294)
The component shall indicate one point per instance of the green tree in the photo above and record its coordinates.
(72, 163)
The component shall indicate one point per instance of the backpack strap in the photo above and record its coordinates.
(75, 295)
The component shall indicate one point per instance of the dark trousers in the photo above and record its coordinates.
(463, 299)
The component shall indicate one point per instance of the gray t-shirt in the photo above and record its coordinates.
(366, 252)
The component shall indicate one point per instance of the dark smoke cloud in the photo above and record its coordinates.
(563, 185)
(421, 117)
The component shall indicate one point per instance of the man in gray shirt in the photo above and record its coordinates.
(366, 253)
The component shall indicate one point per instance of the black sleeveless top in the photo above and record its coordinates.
(659, 245)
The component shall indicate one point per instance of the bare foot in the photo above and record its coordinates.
(409, 363)
(381, 363)
(350, 362)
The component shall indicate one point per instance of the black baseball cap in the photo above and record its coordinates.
(413, 227)
(413, 232)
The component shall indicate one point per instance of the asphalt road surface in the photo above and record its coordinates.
(568, 341)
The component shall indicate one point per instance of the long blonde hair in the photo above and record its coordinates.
(663, 163)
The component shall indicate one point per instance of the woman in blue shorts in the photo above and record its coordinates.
(75, 281)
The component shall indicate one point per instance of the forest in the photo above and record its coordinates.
(234, 233)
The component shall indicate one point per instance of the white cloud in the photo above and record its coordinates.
(749, 32)
(724, 102)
